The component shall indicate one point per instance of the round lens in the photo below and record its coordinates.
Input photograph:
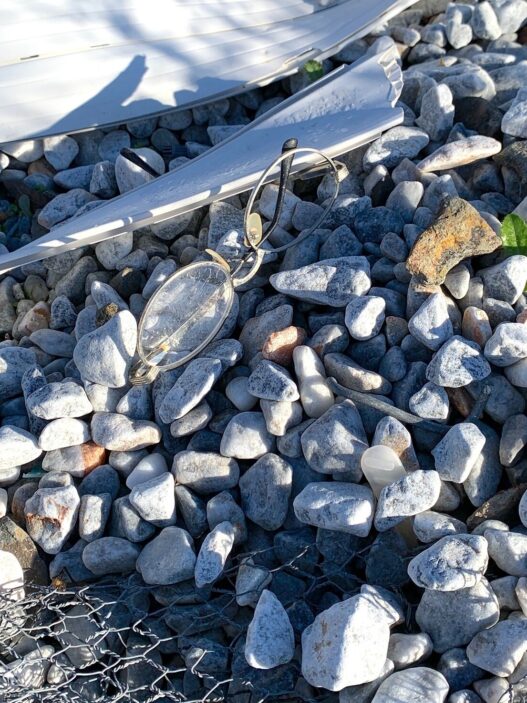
(185, 314)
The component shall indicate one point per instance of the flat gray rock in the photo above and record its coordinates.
(64, 432)
(431, 324)
(270, 639)
(246, 437)
(168, 559)
(17, 447)
(190, 388)
(338, 506)
(346, 645)
(453, 618)
(155, 500)
(57, 400)
(14, 362)
(117, 433)
(410, 495)
(352, 375)
(336, 441)
(508, 550)
(507, 345)
(456, 453)
(457, 363)
(205, 472)
(271, 381)
(110, 555)
(499, 649)
(331, 282)
(265, 489)
(418, 685)
(451, 563)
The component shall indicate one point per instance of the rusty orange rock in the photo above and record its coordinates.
(279, 346)
(458, 233)
(92, 456)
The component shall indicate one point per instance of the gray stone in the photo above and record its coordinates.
(93, 515)
(223, 508)
(430, 526)
(451, 563)
(128, 524)
(470, 610)
(54, 342)
(280, 415)
(430, 403)
(193, 511)
(365, 316)
(484, 478)
(346, 645)
(17, 447)
(196, 419)
(60, 151)
(63, 206)
(112, 143)
(342, 507)
(51, 514)
(431, 324)
(64, 432)
(155, 500)
(105, 355)
(213, 554)
(110, 555)
(103, 183)
(506, 280)
(332, 282)
(395, 145)
(168, 559)
(514, 120)
(190, 388)
(130, 176)
(257, 329)
(335, 442)
(103, 479)
(364, 692)
(410, 495)
(62, 313)
(78, 177)
(265, 489)
(508, 550)
(59, 400)
(14, 362)
(110, 251)
(457, 452)
(499, 649)
(507, 345)
(246, 437)
(437, 112)
(117, 433)
(205, 472)
(392, 433)
(270, 638)
(251, 579)
(405, 650)
(271, 381)
(136, 403)
(417, 685)
(457, 363)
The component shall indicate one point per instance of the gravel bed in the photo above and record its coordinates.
(243, 491)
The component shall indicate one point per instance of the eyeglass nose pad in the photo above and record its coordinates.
(254, 233)
(140, 374)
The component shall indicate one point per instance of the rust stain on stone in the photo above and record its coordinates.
(92, 456)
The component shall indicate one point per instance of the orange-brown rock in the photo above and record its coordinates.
(93, 456)
(279, 346)
(476, 325)
(458, 233)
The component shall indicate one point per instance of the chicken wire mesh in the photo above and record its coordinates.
(118, 640)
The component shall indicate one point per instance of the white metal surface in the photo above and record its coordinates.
(78, 64)
(347, 108)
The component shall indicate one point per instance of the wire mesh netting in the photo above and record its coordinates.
(118, 639)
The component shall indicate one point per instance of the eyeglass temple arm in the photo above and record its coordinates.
(138, 161)
(285, 170)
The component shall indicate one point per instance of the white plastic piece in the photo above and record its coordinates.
(345, 109)
(87, 63)
(381, 466)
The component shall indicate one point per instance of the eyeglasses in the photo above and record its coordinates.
(188, 310)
